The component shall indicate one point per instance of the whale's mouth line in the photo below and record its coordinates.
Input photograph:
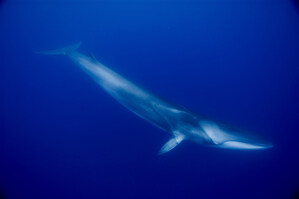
(244, 145)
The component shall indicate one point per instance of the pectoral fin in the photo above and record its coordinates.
(173, 142)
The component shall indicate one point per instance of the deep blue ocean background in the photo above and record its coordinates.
(62, 136)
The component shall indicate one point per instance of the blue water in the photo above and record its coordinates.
(62, 136)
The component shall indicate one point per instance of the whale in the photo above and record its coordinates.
(180, 122)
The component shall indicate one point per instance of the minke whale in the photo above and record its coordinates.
(180, 122)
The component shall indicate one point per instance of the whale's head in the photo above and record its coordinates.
(225, 136)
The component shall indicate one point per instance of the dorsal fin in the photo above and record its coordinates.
(92, 57)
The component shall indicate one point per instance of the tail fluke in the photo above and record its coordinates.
(62, 51)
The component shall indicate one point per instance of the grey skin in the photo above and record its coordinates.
(180, 122)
